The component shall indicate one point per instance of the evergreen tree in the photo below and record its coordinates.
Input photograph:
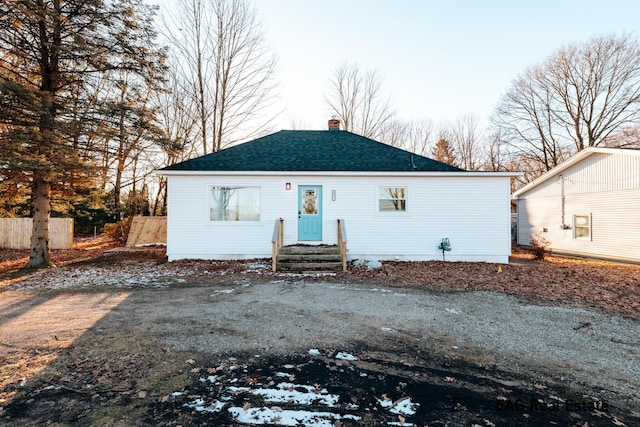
(444, 152)
(50, 50)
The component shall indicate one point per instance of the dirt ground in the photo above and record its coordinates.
(76, 348)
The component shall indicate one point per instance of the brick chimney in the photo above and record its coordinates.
(334, 124)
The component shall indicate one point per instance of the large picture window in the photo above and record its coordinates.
(392, 199)
(582, 226)
(235, 204)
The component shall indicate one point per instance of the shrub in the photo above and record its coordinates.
(119, 230)
(539, 246)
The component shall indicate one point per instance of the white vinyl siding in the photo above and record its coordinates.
(473, 212)
(603, 187)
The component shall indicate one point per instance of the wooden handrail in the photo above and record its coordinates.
(276, 242)
(342, 242)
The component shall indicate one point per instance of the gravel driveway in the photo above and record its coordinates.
(196, 343)
(571, 345)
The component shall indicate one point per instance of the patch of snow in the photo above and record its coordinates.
(384, 328)
(256, 416)
(451, 310)
(256, 267)
(199, 405)
(289, 393)
(372, 265)
(234, 390)
(404, 407)
(210, 378)
(127, 275)
(354, 288)
(385, 403)
(52, 387)
(314, 352)
(384, 291)
(224, 291)
(346, 356)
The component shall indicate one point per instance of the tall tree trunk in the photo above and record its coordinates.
(49, 49)
(39, 255)
(117, 189)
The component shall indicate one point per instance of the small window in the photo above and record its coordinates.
(235, 204)
(392, 199)
(582, 226)
(310, 202)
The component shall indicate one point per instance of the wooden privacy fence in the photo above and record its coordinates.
(147, 230)
(15, 233)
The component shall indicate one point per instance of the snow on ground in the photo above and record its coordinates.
(288, 403)
(125, 276)
(346, 356)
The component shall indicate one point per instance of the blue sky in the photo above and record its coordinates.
(439, 59)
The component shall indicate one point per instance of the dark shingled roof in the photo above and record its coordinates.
(313, 151)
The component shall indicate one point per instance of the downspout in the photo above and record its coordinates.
(562, 200)
(563, 225)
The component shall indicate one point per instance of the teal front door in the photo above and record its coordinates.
(310, 212)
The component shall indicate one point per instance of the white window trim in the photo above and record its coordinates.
(576, 226)
(394, 212)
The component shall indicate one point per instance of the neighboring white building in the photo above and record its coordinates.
(396, 205)
(587, 206)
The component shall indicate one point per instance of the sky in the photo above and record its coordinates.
(439, 60)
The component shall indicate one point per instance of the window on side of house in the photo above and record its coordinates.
(392, 199)
(582, 226)
(234, 203)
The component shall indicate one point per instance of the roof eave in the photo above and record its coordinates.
(564, 166)
(339, 173)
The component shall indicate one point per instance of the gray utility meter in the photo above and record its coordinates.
(445, 245)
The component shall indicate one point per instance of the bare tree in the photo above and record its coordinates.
(420, 136)
(132, 129)
(577, 98)
(357, 101)
(297, 123)
(395, 133)
(466, 139)
(627, 137)
(224, 57)
(496, 154)
(177, 120)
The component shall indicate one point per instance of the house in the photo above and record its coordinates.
(394, 205)
(586, 206)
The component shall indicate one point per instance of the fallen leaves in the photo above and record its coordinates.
(612, 287)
